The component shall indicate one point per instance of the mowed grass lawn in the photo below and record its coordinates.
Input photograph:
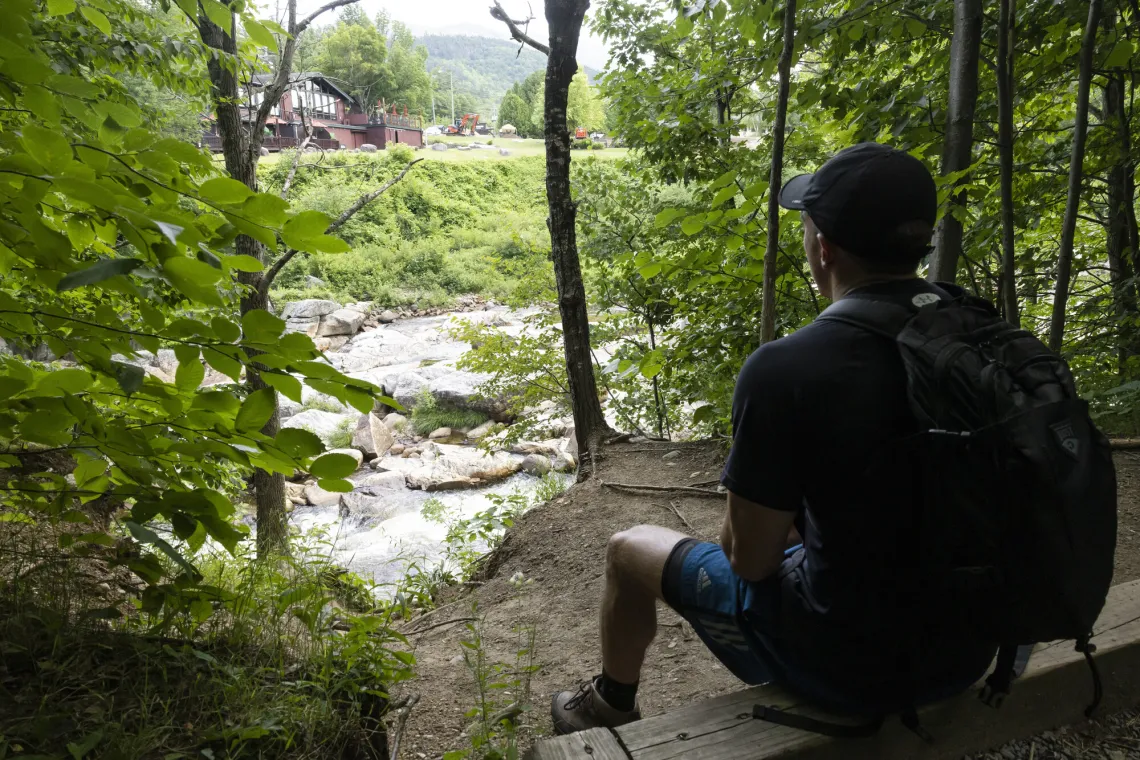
(518, 147)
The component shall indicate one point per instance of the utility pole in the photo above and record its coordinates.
(433, 122)
(452, 97)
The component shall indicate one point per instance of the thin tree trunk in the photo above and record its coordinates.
(776, 180)
(1121, 227)
(564, 18)
(958, 143)
(1007, 24)
(1076, 172)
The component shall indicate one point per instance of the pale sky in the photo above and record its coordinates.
(465, 17)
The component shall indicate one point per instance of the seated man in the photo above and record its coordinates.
(811, 415)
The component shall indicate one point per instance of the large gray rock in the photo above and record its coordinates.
(287, 406)
(536, 464)
(439, 146)
(367, 148)
(482, 431)
(295, 492)
(314, 282)
(319, 497)
(459, 389)
(392, 481)
(546, 448)
(341, 322)
(310, 307)
(306, 325)
(372, 436)
(564, 462)
(453, 467)
(361, 505)
(443, 432)
(330, 343)
(395, 421)
(321, 424)
(387, 316)
(166, 361)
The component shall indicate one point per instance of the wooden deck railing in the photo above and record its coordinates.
(273, 142)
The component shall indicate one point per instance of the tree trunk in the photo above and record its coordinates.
(241, 150)
(1122, 231)
(958, 143)
(1076, 172)
(776, 180)
(564, 18)
(1007, 23)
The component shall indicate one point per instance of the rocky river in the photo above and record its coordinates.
(378, 528)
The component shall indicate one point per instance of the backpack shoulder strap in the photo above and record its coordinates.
(880, 315)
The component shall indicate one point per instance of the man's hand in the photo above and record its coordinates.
(754, 537)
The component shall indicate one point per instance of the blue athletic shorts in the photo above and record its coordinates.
(699, 583)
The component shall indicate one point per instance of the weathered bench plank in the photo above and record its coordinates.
(1053, 691)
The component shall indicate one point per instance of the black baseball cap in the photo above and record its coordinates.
(861, 197)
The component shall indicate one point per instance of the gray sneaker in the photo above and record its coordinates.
(582, 709)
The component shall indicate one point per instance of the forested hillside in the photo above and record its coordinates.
(483, 67)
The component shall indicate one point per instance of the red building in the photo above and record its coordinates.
(337, 118)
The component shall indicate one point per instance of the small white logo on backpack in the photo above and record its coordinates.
(1067, 438)
(703, 581)
(925, 299)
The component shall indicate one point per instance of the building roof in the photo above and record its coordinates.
(306, 76)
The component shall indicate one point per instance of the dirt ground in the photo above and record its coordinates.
(560, 546)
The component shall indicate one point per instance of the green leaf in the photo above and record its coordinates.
(287, 385)
(60, 7)
(259, 34)
(129, 377)
(299, 443)
(256, 410)
(333, 466)
(88, 470)
(79, 750)
(48, 147)
(1120, 56)
(261, 327)
(267, 209)
(189, 374)
(667, 217)
(219, 14)
(97, 19)
(693, 224)
(242, 263)
(97, 272)
(724, 194)
(855, 31)
(915, 28)
(336, 485)
(71, 380)
(649, 271)
(224, 363)
(302, 229)
(226, 330)
(145, 535)
(194, 278)
(224, 190)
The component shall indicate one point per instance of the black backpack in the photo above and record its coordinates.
(1015, 528)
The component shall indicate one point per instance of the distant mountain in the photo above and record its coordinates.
(484, 67)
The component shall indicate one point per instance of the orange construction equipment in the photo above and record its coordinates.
(473, 119)
(580, 133)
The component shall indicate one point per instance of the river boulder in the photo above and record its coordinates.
(341, 322)
(322, 424)
(453, 467)
(308, 308)
(372, 436)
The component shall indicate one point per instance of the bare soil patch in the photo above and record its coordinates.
(560, 546)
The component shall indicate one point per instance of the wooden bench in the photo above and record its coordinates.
(1054, 691)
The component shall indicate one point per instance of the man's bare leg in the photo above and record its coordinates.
(635, 560)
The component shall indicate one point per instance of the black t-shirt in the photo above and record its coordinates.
(817, 420)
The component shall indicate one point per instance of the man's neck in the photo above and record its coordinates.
(841, 289)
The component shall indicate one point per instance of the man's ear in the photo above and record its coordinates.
(826, 250)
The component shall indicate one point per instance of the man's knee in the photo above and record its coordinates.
(638, 555)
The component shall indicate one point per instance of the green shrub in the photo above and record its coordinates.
(583, 144)
(341, 437)
(323, 404)
(428, 415)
